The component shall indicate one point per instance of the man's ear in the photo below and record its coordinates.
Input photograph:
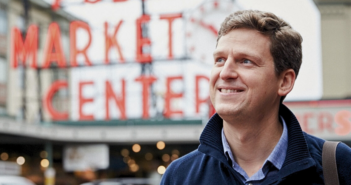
(286, 82)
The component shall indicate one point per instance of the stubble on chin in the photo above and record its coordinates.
(229, 113)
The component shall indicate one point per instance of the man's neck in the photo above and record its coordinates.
(252, 141)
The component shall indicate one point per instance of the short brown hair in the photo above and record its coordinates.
(285, 46)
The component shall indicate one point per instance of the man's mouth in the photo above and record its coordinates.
(230, 90)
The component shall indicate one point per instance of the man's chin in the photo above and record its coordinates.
(227, 111)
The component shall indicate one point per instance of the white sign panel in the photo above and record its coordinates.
(325, 119)
(84, 157)
(9, 168)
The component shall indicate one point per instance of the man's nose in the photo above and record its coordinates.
(229, 70)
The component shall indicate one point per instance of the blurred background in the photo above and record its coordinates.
(115, 90)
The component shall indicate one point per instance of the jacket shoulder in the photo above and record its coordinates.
(343, 159)
(343, 162)
(179, 168)
(315, 147)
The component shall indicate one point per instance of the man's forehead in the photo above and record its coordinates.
(244, 43)
(243, 37)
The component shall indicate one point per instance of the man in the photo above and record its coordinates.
(253, 138)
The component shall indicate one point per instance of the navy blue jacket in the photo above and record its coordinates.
(303, 163)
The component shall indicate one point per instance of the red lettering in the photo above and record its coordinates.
(73, 42)
(29, 46)
(111, 41)
(325, 121)
(90, 1)
(56, 4)
(96, 1)
(142, 41)
(342, 119)
(170, 18)
(120, 101)
(306, 118)
(198, 100)
(299, 118)
(55, 115)
(169, 96)
(211, 109)
(83, 100)
(53, 51)
(146, 81)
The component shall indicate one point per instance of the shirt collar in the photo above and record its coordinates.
(226, 148)
(277, 156)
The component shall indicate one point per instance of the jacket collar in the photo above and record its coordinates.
(211, 144)
(297, 145)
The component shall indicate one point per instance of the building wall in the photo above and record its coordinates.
(14, 93)
(42, 17)
(3, 56)
(336, 47)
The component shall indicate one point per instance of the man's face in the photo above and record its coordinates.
(243, 80)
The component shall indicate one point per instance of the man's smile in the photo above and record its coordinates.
(230, 89)
(222, 90)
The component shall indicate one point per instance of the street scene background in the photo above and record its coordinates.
(115, 90)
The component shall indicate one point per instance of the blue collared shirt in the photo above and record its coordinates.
(271, 166)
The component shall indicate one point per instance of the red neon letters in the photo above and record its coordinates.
(120, 100)
(198, 100)
(91, 1)
(83, 100)
(24, 49)
(142, 41)
(170, 18)
(75, 25)
(321, 122)
(53, 51)
(56, 3)
(55, 115)
(112, 41)
(30, 46)
(171, 95)
(342, 118)
(146, 81)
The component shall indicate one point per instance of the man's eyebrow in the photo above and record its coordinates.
(216, 53)
(252, 56)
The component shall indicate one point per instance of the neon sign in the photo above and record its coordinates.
(54, 53)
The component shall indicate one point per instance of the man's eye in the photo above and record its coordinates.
(246, 61)
(219, 60)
